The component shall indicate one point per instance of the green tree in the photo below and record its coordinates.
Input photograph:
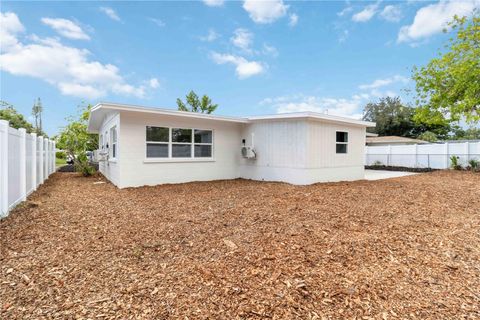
(467, 134)
(196, 105)
(428, 136)
(37, 110)
(15, 119)
(448, 87)
(76, 141)
(393, 118)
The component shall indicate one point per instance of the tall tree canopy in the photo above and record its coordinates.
(196, 105)
(393, 118)
(448, 87)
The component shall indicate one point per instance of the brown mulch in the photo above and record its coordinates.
(399, 248)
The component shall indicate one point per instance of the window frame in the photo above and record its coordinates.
(113, 134)
(201, 143)
(343, 143)
(192, 138)
(170, 144)
(169, 151)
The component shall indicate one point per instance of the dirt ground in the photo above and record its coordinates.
(400, 248)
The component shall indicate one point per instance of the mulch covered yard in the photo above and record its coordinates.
(400, 248)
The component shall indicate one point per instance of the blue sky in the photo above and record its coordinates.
(250, 57)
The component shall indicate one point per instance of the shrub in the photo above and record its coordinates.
(454, 163)
(81, 165)
(377, 163)
(474, 164)
(60, 155)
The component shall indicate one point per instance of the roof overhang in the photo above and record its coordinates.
(314, 116)
(103, 109)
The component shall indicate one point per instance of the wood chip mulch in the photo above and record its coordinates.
(404, 248)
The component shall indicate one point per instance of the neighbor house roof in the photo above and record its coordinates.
(102, 109)
(393, 140)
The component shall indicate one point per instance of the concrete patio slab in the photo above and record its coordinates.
(384, 174)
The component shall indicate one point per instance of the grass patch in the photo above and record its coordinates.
(60, 162)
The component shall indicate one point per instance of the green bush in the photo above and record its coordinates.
(454, 163)
(81, 165)
(61, 155)
(474, 165)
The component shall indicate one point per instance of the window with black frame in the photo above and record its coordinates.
(341, 142)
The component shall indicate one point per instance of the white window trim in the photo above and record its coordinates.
(345, 143)
(192, 157)
(113, 128)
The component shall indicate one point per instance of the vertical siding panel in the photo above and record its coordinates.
(322, 154)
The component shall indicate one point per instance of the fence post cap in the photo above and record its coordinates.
(34, 134)
(22, 130)
(4, 122)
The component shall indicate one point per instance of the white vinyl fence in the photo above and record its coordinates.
(26, 161)
(433, 155)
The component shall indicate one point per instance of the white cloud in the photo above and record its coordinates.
(10, 26)
(431, 19)
(66, 28)
(154, 83)
(350, 107)
(293, 20)
(345, 11)
(160, 23)
(378, 83)
(110, 13)
(243, 39)
(265, 11)
(243, 68)
(366, 14)
(391, 13)
(80, 90)
(69, 69)
(211, 36)
(269, 50)
(214, 3)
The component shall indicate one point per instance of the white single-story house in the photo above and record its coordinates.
(149, 146)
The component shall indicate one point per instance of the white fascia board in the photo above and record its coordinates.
(314, 115)
(169, 112)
